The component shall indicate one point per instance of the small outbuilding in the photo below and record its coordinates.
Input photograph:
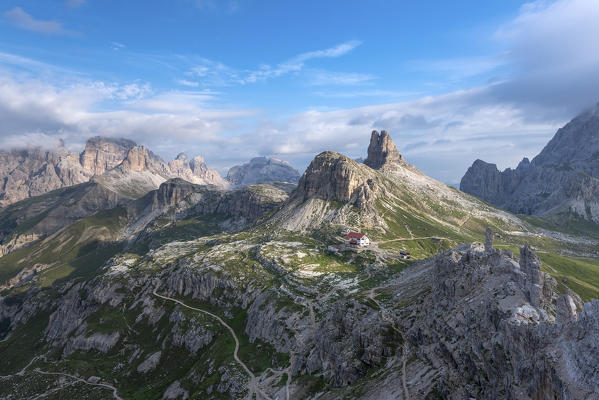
(334, 248)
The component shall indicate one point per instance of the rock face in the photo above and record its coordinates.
(382, 151)
(262, 170)
(33, 172)
(102, 154)
(177, 199)
(332, 176)
(565, 310)
(489, 239)
(195, 171)
(531, 267)
(562, 180)
(488, 341)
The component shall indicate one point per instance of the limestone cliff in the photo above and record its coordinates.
(562, 180)
(382, 151)
(102, 154)
(33, 172)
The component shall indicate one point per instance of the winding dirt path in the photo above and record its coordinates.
(252, 386)
(115, 392)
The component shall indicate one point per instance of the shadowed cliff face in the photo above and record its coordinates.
(562, 179)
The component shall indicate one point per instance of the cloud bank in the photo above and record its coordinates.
(549, 51)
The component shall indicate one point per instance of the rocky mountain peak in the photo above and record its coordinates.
(333, 176)
(382, 151)
(576, 145)
(138, 159)
(563, 179)
(102, 153)
(198, 165)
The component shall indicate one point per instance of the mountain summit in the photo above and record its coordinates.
(382, 151)
(33, 172)
(561, 182)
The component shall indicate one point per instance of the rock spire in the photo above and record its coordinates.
(382, 151)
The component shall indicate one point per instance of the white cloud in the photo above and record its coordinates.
(215, 73)
(461, 68)
(22, 20)
(337, 51)
(116, 46)
(552, 47)
(441, 134)
(327, 78)
(186, 82)
(169, 122)
(551, 63)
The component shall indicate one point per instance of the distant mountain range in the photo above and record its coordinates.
(561, 183)
(32, 172)
(262, 170)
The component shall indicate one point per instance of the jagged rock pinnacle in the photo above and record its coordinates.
(565, 310)
(489, 239)
(530, 264)
(381, 151)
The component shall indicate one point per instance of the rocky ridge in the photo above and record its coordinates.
(561, 180)
(468, 323)
(33, 172)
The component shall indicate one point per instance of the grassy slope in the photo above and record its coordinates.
(76, 251)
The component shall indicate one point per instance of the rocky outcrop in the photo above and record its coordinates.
(332, 176)
(565, 310)
(489, 239)
(233, 208)
(102, 154)
(563, 180)
(171, 193)
(195, 171)
(382, 151)
(33, 172)
(490, 341)
(262, 170)
(149, 363)
(18, 242)
(530, 265)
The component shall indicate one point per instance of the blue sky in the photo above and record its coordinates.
(451, 81)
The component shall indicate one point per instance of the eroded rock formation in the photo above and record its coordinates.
(561, 181)
(382, 151)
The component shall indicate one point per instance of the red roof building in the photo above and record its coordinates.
(354, 235)
(355, 239)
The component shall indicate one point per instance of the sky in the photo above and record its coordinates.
(235, 79)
